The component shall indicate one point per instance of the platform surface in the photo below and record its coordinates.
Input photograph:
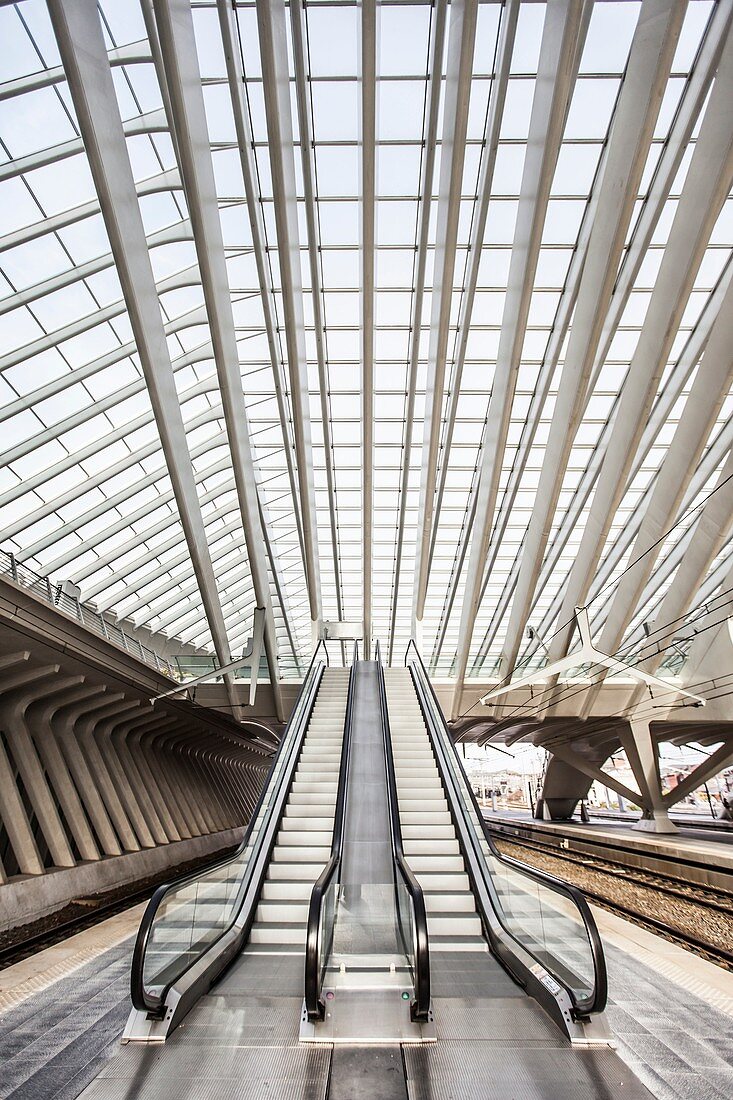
(691, 844)
(671, 1015)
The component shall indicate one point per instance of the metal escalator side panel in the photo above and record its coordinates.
(496, 878)
(321, 907)
(194, 927)
(408, 891)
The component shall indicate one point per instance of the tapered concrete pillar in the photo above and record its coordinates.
(65, 733)
(19, 690)
(40, 717)
(101, 777)
(641, 750)
(15, 820)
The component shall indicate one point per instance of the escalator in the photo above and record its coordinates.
(255, 902)
(540, 928)
(368, 938)
(367, 976)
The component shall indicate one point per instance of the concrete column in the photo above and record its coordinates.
(172, 748)
(20, 689)
(155, 764)
(100, 774)
(641, 750)
(101, 734)
(148, 773)
(40, 717)
(16, 821)
(116, 732)
(66, 739)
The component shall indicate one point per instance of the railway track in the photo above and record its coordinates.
(677, 905)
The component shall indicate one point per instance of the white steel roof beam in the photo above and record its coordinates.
(652, 50)
(178, 69)
(563, 36)
(707, 540)
(437, 44)
(81, 45)
(368, 154)
(710, 388)
(495, 114)
(706, 186)
(255, 214)
(307, 154)
(272, 28)
(459, 70)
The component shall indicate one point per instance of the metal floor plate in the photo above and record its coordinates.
(483, 1071)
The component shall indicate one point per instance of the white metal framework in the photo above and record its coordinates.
(416, 314)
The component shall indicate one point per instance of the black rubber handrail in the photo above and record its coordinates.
(154, 1005)
(583, 1007)
(420, 1007)
(314, 949)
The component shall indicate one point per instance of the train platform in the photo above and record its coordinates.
(704, 857)
(62, 1012)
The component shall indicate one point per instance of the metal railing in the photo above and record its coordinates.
(211, 912)
(93, 620)
(528, 915)
(412, 916)
(321, 908)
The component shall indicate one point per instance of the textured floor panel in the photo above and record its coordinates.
(151, 1069)
(469, 974)
(467, 1071)
(276, 975)
(271, 1088)
(246, 1021)
(519, 1021)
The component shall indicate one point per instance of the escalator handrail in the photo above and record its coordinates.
(420, 1009)
(597, 1002)
(141, 999)
(313, 1002)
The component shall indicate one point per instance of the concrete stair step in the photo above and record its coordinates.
(278, 933)
(294, 853)
(282, 911)
(292, 871)
(453, 924)
(444, 882)
(451, 864)
(287, 890)
(428, 832)
(417, 847)
(424, 817)
(306, 838)
(299, 799)
(291, 824)
(443, 942)
(444, 901)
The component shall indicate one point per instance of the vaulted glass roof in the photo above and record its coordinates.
(406, 313)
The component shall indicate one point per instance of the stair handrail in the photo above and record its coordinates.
(292, 736)
(584, 1007)
(420, 1007)
(314, 1004)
